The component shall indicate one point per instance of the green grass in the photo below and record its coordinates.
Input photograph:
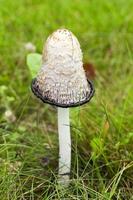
(102, 131)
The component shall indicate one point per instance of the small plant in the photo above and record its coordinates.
(61, 82)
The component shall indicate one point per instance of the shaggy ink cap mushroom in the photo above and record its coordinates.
(61, 80)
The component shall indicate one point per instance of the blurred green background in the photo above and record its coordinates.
(102, 131)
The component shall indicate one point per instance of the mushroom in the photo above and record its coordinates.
(61, 82)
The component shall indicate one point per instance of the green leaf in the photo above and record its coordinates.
(97, 146)
(34, 61)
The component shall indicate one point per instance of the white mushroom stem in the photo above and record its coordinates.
(64, 145)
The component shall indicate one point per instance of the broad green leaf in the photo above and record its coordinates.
(34, 61)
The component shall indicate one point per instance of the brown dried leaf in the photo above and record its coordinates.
(89, 70)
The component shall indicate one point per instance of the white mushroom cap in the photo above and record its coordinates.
(61, 79)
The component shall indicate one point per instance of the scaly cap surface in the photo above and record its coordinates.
(61, 80)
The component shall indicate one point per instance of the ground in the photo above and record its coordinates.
(102, 130)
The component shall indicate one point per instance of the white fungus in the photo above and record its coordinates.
(62, 79)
